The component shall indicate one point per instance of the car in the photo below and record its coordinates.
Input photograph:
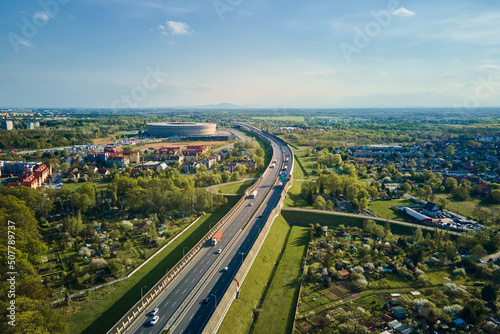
(155, 310)
(219, 251)
(154, 320)
(225, 269)
(250, 204)
(259, 216)
(206, 300)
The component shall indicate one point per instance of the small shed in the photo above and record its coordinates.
(459, 323)
(399, 312)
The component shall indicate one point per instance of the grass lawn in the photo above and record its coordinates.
(235, 188)
(100, 185)
(465, 208)
(308, 163)
(281, 118)
(293, 198)
(99, 314)
(278, 309)
(239, 318)
(383, 208)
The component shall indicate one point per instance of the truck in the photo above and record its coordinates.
(253, 194)
(216, 238)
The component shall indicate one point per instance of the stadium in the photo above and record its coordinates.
(181, 129)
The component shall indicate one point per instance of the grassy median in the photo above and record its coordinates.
(240, 316)
(278, 309)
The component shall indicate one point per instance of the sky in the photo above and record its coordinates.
(252, 53)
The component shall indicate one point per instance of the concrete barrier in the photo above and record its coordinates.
(139, 307)
(222, 308)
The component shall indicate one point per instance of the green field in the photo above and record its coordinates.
(293, 197)
(308, 163)
(330, 219)
(383, 208)
(239, 317)
(235, 188)
(97, 315)
(281, 118)
(72, 186)
(278, 309)
(465, 208)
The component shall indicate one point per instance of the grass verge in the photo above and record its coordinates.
(278, 309)
(103, 313)
(239, 317)
(293, 197)
(235, 188)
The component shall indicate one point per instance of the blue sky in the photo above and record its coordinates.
(317, 53)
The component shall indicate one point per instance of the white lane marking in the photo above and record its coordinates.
(216, 291)
(191, 317)
(167, 303)
(176, 292)
(194, 279)
(183, 292)
(194, 272)
(174, 304)
(162, 318)
(197, 319)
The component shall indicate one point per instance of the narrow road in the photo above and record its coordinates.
(335, 213)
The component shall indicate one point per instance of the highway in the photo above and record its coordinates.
(187, 304)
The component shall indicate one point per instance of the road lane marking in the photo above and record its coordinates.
(198, 318)
(191, 317)
(183, 292)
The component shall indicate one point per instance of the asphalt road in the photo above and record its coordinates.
(181, 306)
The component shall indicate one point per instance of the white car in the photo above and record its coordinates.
(225, 269)
(154, 320)
(219, 251)
(153, 312)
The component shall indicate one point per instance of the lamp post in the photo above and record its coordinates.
(215, 305)
(142, 295)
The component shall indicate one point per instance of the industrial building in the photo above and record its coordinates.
(181, 129)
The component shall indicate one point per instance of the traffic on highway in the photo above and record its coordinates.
(187, 304)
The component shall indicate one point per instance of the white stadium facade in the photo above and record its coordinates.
(181, 129)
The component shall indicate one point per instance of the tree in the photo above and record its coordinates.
(319, 203)
(450, 150)
(443, 203)
(363, 203)
(489, 293)
(478, 252)
(495, 196)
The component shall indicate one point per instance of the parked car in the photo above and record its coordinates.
(225, 269)
(219, 251)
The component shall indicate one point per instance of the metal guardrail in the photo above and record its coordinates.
(139, 307)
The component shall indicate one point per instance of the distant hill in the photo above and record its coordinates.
(214, 106)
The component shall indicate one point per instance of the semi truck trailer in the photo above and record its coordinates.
(216, 238)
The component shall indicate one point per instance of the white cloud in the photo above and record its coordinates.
(490, 67)
(403, 12)
(326, 72)
(175, 28)
(41, 16)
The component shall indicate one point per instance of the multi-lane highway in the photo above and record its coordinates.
(188, 302)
